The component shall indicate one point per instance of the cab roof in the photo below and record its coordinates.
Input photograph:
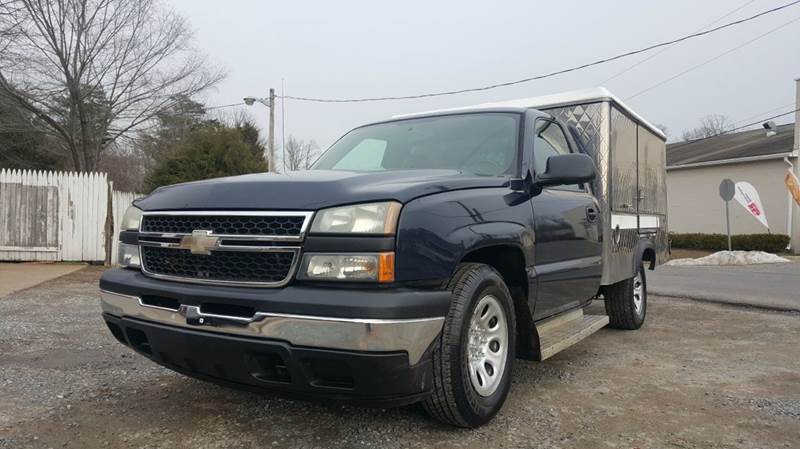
(575, 97)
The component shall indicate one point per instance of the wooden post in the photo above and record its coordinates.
(109, 223)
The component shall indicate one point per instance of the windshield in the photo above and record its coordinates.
(481, 144)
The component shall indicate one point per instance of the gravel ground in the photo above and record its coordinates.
(696, 376)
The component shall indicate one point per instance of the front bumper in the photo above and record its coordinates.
(412, 336)
(249, 338)
(384, 379)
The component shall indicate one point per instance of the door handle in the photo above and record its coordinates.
(591, 214)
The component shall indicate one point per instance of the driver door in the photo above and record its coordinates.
(567, 249)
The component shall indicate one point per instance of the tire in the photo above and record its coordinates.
(623, 309)
(471, 338)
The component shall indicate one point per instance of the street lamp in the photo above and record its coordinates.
(252, 100)
(270, 103)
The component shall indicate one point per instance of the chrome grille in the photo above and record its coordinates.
(255, 249)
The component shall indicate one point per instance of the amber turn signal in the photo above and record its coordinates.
(386, 267)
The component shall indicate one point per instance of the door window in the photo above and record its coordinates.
(550, 141)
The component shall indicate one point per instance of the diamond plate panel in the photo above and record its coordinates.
(652, 173)
(623, 182)
(591, 122)
(653, 189)
(623, 193)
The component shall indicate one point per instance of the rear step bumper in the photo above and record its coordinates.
(380, 379)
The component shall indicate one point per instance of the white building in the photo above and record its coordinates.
(695, 170)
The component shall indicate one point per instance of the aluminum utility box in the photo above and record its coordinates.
(630, 154)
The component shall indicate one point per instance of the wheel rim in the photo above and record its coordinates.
(638, 294)
(487, 347)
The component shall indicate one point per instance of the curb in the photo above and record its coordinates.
(795, 308)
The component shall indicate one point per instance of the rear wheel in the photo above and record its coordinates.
(626, 302)
(474, 355)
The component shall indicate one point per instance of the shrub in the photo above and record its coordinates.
(209, 152)
(771, 243)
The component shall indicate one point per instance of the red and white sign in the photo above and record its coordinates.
(793, 184)
(747, 196)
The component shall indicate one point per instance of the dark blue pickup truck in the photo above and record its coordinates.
(416, 260)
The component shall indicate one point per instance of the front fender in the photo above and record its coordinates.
(437, 231)
(483, 235)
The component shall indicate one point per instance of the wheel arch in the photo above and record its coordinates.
(644, 252)
(509, 260)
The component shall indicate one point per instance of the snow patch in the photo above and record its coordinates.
(731, 258)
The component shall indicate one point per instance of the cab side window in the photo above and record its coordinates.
(550, 141)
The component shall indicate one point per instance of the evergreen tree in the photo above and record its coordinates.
(210, 151)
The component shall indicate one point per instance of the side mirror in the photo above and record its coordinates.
(566, 169)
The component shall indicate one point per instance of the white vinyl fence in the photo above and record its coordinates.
(59, 216)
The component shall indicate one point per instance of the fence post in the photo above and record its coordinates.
(109, 234)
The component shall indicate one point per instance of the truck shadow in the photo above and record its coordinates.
(200, 398)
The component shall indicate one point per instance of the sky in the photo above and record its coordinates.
(346, 49)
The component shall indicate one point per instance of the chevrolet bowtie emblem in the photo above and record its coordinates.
(200, 242)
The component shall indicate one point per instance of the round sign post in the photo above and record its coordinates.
(727, 190)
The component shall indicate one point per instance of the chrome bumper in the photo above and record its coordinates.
(410, 335)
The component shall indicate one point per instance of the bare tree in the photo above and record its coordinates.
(93, 72)
(7, 26)
(299, 154)
(22, 144)
(125, 167)
(710, 125)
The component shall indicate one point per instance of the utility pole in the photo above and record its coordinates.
(272, 163)
(283, 126)
(270, 103)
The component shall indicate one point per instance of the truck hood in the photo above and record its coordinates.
(310, 189)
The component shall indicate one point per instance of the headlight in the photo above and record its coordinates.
(128, 255)
(373, 218)
(375, 267)
(131, 219)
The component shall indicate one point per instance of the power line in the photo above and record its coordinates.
(738, 128)
(551, 74)
(759, 122)
(763, 112)
(727, 52)
(631, 67)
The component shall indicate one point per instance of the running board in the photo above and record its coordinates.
(564, 330)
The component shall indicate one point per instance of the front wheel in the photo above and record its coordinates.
(626, 302)
(474, 355)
